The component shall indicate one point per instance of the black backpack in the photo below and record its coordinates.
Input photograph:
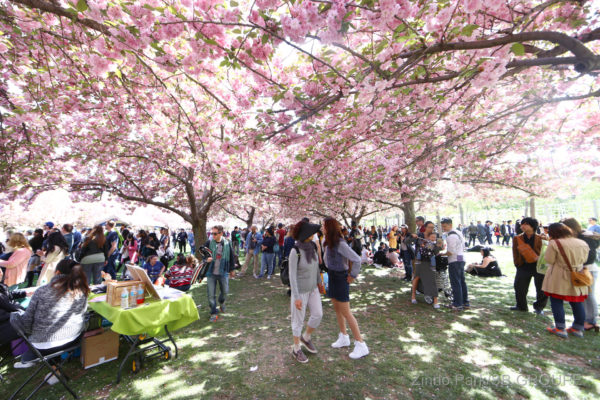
(284, 272)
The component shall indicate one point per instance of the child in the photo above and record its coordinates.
(181, 273)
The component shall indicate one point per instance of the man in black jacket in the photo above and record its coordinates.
(182, 240)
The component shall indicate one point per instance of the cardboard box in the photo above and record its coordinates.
(114, 290)
(98, 347)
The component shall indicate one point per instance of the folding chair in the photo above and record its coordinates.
(202, 268)
(47, 361)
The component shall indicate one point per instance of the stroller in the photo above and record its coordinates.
(442, 281)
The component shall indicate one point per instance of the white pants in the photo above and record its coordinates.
(313, 300)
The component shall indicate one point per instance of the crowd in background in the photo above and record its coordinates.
(559, 257)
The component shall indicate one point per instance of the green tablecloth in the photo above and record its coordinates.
(149, 318)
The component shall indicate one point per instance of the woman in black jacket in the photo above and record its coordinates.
(93, 255)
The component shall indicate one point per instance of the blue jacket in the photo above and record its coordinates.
(258, 238)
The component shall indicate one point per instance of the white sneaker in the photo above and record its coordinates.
(343, 341)
(53, 380)
(26, 364)
(436, 306)
(360, 350)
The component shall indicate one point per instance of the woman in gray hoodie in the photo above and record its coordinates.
(305, 279)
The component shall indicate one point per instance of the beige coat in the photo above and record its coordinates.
(50, 263)
(558, 276)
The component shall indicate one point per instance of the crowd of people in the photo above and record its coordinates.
(559, 257)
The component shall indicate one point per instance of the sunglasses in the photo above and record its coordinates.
(215, 233)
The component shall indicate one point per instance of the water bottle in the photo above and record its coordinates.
(124, 299)
(133, 297)
(140, 295)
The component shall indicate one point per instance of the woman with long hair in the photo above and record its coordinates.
(426, 249)
(130, 254)
(564, 255)
(93, 254)
(54, 319)
(590, 304)
(338, 257)
(16, 265)
(487, 267)
(57, 249)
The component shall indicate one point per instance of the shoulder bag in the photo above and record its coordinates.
(526, 251)
(578, 279)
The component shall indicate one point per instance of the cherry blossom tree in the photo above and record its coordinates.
(164, 103)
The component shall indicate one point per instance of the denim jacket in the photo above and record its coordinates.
(258, 242)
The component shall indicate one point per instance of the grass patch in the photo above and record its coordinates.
(488, 352)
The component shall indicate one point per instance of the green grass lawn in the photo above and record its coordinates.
(488, 352)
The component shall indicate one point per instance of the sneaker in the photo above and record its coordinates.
(240, 274)
(343, 341)
(52, 380)
(24, 364)
(260, 276)
(255, 276)
(436, 306)
(575, 332)
(558, 332)
(414, 301)
(308, 344)
(539, 312)
(214, 317)
(268, 276)
(360, 350)
(467, 306)
(299, 356)
(453, 307)
(222, 308)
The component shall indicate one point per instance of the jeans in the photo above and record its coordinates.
(109, 268)
(268, 261)
(211, 288)
(407, 260)
(505, 240)
(521, 285)
(456, 270)
(590, 305)
(278, 256)
(558, 311)
(182, 247)
(94, 272)
(236, 248)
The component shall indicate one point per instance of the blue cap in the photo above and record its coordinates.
(49, 224)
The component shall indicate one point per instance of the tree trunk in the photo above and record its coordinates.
(250, 218)
(199, 228)
(462, 214)
(532, 207)
(408, 208)
(438, 221)
(526, 208)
